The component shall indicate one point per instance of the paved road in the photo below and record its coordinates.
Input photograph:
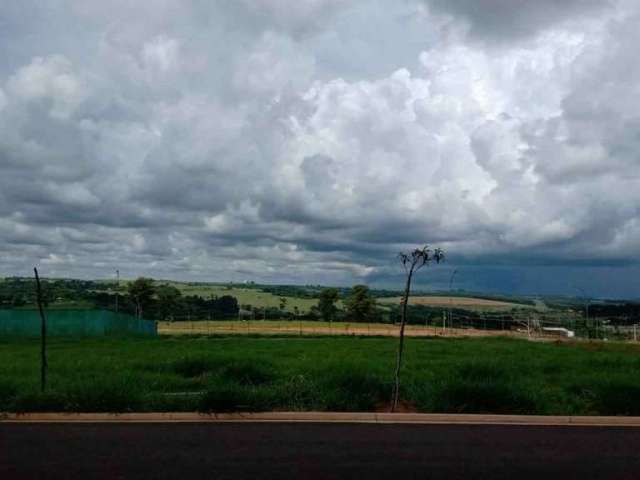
(307, 450)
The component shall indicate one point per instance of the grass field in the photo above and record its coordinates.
(469, 303)
(245, 296)
(490, 375)
(259, 298)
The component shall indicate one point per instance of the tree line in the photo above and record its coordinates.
(147, 298)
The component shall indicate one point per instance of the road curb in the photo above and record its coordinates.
(320, 417)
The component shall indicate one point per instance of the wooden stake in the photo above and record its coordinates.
(43, 335)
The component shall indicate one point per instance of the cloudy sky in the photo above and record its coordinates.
(310, 141)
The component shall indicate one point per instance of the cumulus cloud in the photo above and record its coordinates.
(263, 140)
(48, 80)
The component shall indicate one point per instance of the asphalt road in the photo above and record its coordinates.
(308, 450)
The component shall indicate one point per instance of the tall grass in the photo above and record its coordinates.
(325, 374)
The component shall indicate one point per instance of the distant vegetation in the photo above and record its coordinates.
(178, 301)
(143, 297)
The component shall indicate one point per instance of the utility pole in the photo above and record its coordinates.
(586, 310)
(586, 313)
(453, 274)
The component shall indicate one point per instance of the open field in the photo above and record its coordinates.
(276, 327)
(225, 373)
(245, 296)
(261, 299)
(458, 302)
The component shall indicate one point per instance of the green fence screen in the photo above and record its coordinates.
(26, 323)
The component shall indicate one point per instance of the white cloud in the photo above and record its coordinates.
(50, 78)
(274, 63)
(160, 54)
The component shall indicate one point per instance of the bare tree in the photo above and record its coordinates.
(411, 262)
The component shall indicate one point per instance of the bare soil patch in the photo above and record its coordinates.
(446, 301)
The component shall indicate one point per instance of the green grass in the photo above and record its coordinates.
(484, 375)
(245, 296)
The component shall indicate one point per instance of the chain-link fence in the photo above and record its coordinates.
(531, 326)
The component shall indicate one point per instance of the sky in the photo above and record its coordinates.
(309, 142)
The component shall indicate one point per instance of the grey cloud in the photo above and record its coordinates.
(300, 18)
(508, 19)
(173, 140)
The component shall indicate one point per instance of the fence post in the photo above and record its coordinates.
(444, 319)
(43, 335)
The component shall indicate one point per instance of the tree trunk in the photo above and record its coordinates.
(403, 321)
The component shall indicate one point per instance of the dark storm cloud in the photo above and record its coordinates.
(507, 19)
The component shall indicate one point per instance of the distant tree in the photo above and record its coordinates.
(227, 306)
(360, 304)
(411, 262)
(283, 303)
(168, 300)
(327, 304)
(141, 292)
